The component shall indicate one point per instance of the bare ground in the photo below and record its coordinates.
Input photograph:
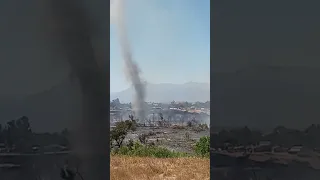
(173, 139)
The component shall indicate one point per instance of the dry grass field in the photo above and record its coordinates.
(147, 168)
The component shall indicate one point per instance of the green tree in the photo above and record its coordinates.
(119, 133)
(202, 147)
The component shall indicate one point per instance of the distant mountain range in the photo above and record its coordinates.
(166, 92)
(60, 106)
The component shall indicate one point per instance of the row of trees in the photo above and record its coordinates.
(281, 135)
(189, 104)
(18, 133)
(114, 104)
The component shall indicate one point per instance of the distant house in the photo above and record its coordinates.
(295, 149)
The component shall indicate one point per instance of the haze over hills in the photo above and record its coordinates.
(267, 96)
(167, 92)
(56, 108)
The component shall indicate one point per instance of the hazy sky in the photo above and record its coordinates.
(170, 40)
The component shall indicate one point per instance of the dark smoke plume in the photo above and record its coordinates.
(131, 67)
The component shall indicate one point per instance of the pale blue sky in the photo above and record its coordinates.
(170, 41)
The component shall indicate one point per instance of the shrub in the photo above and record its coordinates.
(143, 138)
(141, 150)
(130, 144)
(178, 127)
(119, 133)
(189, 124)
(131, 125)
(151, 133)
(202, 147)
(203, 127)
(187, 135)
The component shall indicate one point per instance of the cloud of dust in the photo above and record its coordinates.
(117, 14)
(207, 121)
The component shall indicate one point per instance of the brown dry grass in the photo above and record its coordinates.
(143, 168)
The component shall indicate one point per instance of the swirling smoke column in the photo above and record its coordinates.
(131, 67)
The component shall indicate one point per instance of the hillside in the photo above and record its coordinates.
(167, 92)
(266, 96)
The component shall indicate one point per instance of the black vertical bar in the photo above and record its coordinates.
(78, 28)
